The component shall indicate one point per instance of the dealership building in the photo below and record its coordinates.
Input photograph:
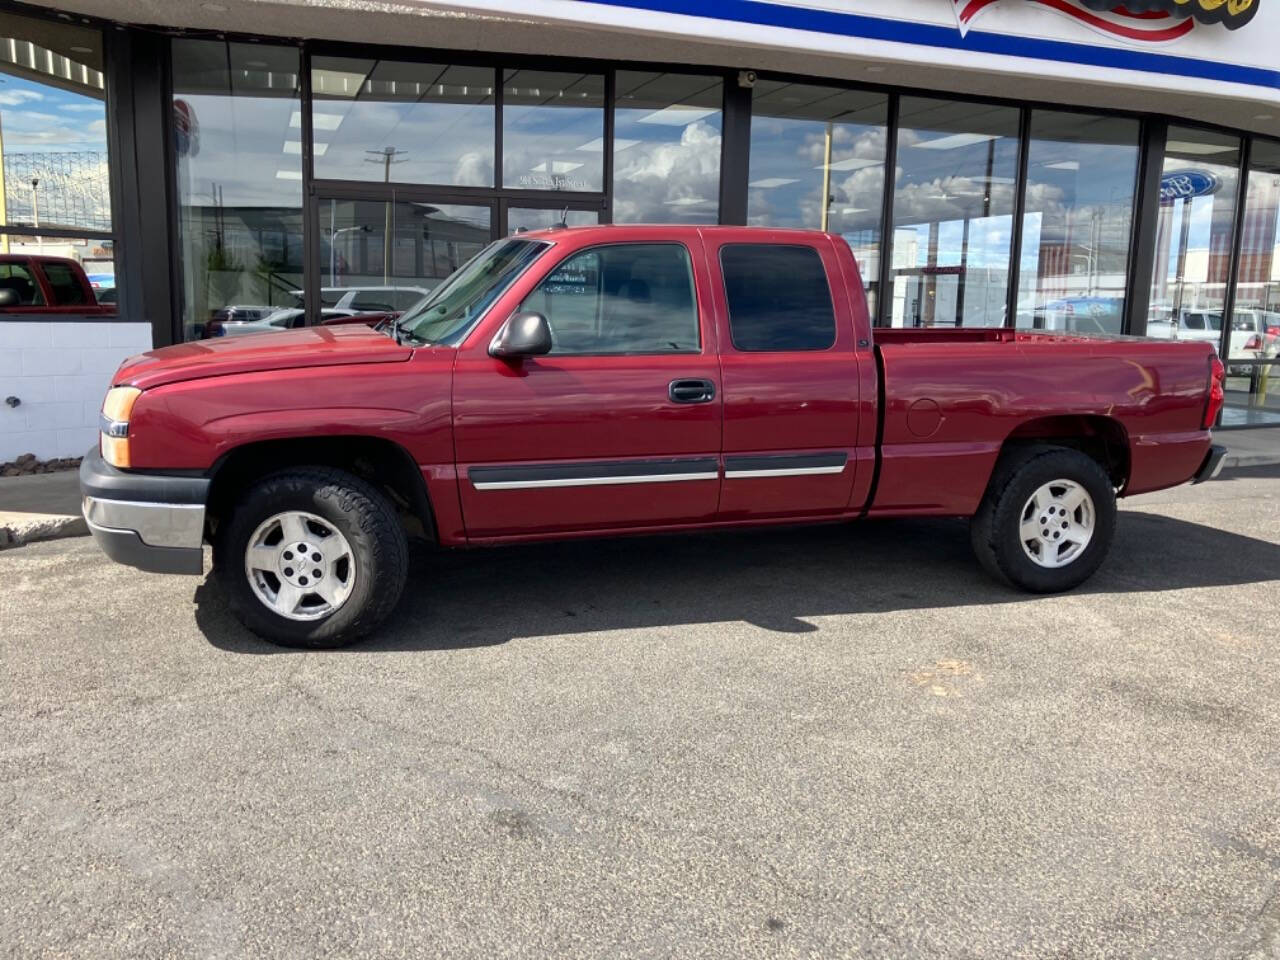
(223, 167)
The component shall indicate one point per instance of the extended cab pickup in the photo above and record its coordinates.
(39, 284)
(608, 380)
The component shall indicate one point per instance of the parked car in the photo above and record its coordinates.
(1255, 335)
(283, 318)
(607, 380)
(1200, 324)
(104, 286)
(386, 299)
(44, 285)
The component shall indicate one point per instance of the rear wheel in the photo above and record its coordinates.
(312, 557)
(1047, 520)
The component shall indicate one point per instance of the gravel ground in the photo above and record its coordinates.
(821, 742)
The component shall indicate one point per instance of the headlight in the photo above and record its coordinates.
(116, 410)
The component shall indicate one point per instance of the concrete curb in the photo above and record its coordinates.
(14, 532)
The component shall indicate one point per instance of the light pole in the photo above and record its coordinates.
(35, 213)
(333, 246)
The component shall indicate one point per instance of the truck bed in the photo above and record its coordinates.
(952, 397)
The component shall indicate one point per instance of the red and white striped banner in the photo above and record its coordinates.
(1150, 26)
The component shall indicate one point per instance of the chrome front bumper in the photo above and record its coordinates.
(153, 522)
(157, 537)
(156, 524)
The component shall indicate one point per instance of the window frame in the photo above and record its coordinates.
(82, 312)
(693, 289)
(728, 307)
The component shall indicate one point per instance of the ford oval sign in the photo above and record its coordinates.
(1185, 184)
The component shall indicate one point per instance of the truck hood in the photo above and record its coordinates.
(286, 350)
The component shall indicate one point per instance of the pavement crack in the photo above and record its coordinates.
(1266, 921)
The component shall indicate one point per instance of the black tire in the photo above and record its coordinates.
(368, 521)
(994, 529)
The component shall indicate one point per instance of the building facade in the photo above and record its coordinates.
(219, 168)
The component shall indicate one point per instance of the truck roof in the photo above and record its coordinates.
(617, 231)
(34, 258)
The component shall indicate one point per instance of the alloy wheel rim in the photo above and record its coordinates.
(300, 566)
(1057, 523)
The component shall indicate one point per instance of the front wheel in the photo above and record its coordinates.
(312, 557)
(1047, 520)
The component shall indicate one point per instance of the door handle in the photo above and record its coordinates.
(691, 391)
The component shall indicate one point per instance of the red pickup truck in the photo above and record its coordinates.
(43, 285)
(608, 380)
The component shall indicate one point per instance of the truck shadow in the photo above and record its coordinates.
(772, 578)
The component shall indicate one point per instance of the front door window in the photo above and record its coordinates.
(622, 298)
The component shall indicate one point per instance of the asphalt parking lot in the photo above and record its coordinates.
(820, 742)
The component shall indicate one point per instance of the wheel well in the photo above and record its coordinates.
(1101, 438)
(384, 463)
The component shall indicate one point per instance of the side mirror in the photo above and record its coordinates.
(525, 334)
(9, 298)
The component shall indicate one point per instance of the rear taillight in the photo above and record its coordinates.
(1253, 343)
(1213, 403)
(214, 328)
(1273, 331)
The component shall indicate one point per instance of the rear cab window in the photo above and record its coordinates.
(65, 285)
(778, 298)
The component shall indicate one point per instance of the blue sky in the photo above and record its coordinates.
(38, 118)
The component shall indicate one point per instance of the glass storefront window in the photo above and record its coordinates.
(382, 257)
(1193, 236)
(55, 195)
(534, 218)
(952, 213)
(666, 149)
(409, 122)
(236, 110)
(1081, 175)
(553, 130)
(1253, 373)
(817, 162)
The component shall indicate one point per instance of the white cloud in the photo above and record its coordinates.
(83, 107)
(474, 170)
(15, 98)
(658, 181)
(26, 119)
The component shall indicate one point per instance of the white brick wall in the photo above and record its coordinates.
(59, 369)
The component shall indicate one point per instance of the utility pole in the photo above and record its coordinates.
(826, 179)
(4, 212)
(386, 156)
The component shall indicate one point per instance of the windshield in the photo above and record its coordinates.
(453, 308)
